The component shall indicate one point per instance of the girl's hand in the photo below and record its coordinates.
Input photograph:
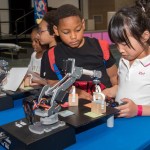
(127, 110)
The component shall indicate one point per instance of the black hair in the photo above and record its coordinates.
(132, 19)
(49, 18)
(35, 28)
(144, 5)
(65, 11)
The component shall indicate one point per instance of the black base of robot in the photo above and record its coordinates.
(18, 137)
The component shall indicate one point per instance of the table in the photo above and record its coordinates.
(127, 134)
(11, 47)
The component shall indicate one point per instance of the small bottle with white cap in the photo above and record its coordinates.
(73, 97)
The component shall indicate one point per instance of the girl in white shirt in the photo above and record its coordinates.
(33, 75)
(129, 29)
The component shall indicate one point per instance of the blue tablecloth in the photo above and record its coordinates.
(127, 134)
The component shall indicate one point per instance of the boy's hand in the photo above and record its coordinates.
(127, 110)
(110, 92)
(83, 94)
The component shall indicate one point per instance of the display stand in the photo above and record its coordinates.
(23, 93)
(6, 102)
(79, 119)
(21, 138)
(18, 137)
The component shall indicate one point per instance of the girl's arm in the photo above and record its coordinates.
(130, 109)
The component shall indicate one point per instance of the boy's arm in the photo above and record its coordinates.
(112, 73)
(52, 82)
(33, 79)
(83, 94)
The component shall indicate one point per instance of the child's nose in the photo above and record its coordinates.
(121, 49)
(73, 35)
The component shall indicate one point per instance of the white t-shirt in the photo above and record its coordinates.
(35, 64)
(134, 81)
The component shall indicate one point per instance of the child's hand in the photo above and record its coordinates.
(27, 81)
(83, 94)
(127, 110)
(110, 92)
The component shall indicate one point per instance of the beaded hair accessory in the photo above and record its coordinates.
(143, 9)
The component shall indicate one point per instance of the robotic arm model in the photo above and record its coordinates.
(3, 74)
(50, 97)
(3, 69)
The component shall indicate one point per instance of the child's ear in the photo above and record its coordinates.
(145, 36)
(55, 30)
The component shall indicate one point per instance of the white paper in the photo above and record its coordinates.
(14, 78)
(66, 113)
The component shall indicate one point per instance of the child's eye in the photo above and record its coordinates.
(78, 30)
(65, 32)
(124, 44)
(36, 41)
(121, 44)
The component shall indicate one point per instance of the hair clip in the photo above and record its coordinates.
(143, 9)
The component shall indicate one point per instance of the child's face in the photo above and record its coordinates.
(71, 31)
(44, 36)
(130, 53)
(35, 42)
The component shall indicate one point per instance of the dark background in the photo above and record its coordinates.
(17, 9)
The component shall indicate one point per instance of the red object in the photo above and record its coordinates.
(140, 109)
(66, 104)
(105, 49)
(51, 57)
(88, 86)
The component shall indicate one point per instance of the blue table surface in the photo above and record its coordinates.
(127, 134)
